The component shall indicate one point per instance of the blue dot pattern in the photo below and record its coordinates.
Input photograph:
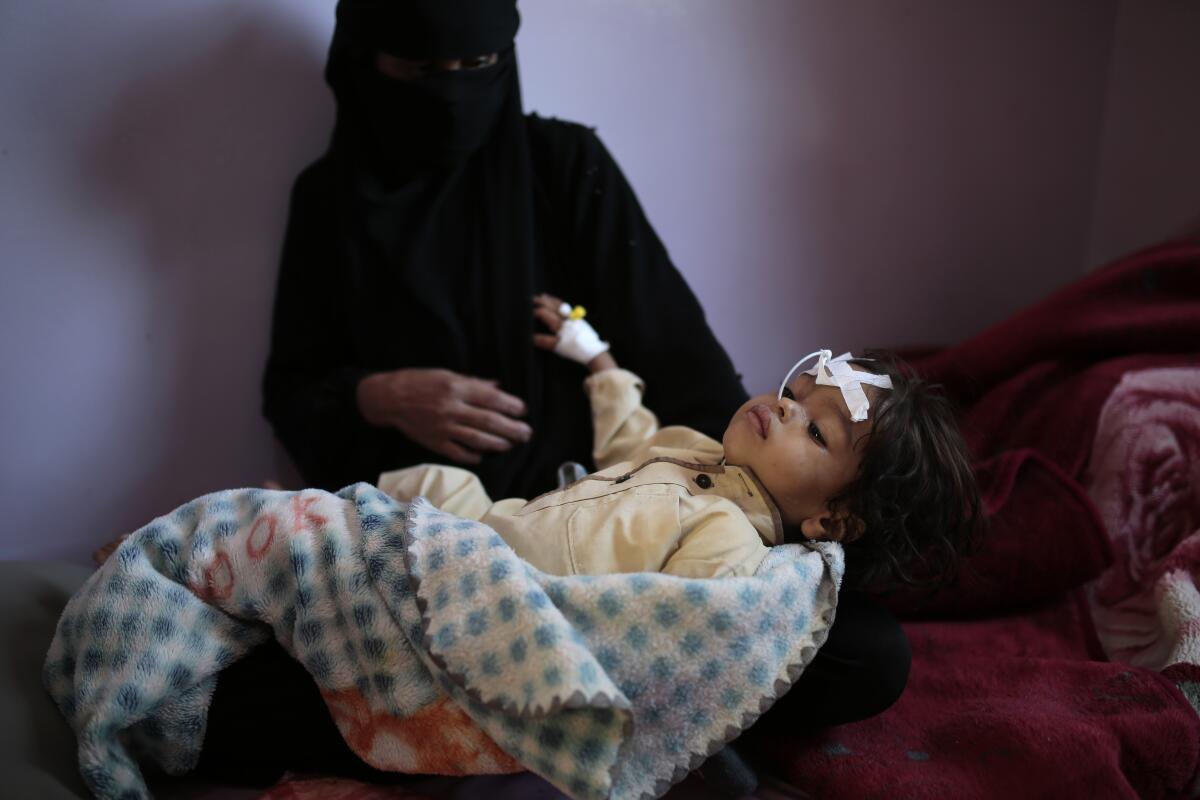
(574, 675)
(610, 686)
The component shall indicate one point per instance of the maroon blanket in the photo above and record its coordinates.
(1009, 693)
(1040, 378)
(1010, 707)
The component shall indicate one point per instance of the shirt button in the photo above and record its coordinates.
(703, 481)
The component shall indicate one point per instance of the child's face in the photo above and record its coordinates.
(803, 447)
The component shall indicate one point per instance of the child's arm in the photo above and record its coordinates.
(620, 423)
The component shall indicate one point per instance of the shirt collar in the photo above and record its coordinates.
(741, 486)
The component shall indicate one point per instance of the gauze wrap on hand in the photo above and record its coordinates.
(577, 339)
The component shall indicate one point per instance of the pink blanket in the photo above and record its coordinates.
(1144, 478)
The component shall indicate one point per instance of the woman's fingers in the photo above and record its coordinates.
(486, 394)
(490, 422)
(477, 440)
(456, 416)
(545, 341)
(440, 442)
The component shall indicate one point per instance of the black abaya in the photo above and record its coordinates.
(403, 252)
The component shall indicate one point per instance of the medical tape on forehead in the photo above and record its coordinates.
(837, 372)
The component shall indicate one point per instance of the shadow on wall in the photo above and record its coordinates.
(201, 154)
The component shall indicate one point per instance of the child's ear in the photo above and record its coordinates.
(841, 526)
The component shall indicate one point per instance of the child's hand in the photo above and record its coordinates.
(572, 338)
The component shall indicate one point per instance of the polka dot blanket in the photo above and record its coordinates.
(435, 647)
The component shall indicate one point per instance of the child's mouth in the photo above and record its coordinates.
(760, 418)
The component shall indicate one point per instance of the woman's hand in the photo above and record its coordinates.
(454, 415)
(549, 311)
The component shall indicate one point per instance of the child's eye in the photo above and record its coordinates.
(815, 433)
(788, 393)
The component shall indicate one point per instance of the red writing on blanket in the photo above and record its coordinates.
(440, 739)
(218, 579)
(256, 545)
(302, 518)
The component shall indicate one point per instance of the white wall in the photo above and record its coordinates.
(843, 174)
(835, 174)
(1148, 181)
(146, 153)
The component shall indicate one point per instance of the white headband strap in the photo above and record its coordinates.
(837, 372)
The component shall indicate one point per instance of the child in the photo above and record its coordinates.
(852, 451)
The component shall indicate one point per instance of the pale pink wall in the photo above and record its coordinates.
(832, 174)
(146, 153)
(843, 174)
(1148, 181)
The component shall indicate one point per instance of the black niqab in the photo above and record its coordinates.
(429, 29)
(440, 117)
(421, 236)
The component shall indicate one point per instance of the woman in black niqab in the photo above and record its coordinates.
(418, 241)
(419, 238)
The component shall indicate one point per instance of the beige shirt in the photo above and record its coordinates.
(661, 501)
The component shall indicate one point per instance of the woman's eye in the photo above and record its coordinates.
(479, 62)
(788, 393)
(815, 433)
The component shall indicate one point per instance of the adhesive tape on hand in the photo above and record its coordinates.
(578, 341)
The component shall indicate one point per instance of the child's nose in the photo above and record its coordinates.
(790, 411)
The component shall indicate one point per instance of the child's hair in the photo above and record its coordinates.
(914, 496)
